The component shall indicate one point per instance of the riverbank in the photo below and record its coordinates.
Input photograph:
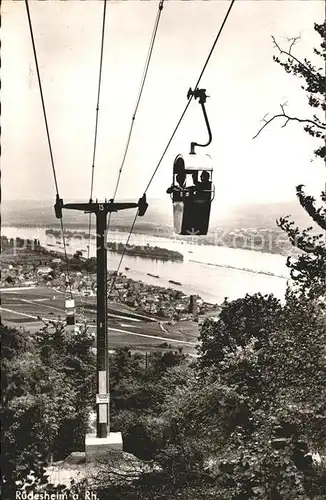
(28, 268)
(266, 273)
(265, 240)
(212, 283)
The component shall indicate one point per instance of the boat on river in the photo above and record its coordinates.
(175, 282)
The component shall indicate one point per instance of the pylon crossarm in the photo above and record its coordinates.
(99, 207)
(80, 206)
(123, 206)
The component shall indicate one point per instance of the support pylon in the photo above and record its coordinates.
(102, 359)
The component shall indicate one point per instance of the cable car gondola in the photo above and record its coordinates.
(192, 190)
(70, 311)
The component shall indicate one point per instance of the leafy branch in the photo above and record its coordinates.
(289, 54)
(302, 240)
(308, 203)
(314, 79)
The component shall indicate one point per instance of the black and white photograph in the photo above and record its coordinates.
(163, 250)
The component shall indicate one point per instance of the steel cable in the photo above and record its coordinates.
(95, 133)
(142, 84)
(48, 138)
(179, 121)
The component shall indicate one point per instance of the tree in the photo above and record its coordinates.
(240, 321)
(47, 390)
(36, 399)
(138, 387)
(78, 254)
(70, 354)
(309, 271)
(246, 424)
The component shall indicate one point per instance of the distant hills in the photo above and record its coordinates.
(244, 219)
(159, 213)
(262, 215)
(41, 213)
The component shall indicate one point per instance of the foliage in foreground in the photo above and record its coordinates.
(47, 381)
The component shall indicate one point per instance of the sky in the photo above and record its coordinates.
(241, 79)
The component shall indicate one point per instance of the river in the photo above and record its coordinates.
(210, 271)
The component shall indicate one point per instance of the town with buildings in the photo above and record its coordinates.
(38, 267)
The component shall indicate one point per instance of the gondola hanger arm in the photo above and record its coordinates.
(200, 94)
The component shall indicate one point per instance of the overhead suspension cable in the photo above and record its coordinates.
(48, 137)
(191, 96)
(95, 133)
(148, 60)
(142, 84)
(122, 255)
(179, 122)
(98, 97)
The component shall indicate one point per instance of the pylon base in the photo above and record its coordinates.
(97, 448)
